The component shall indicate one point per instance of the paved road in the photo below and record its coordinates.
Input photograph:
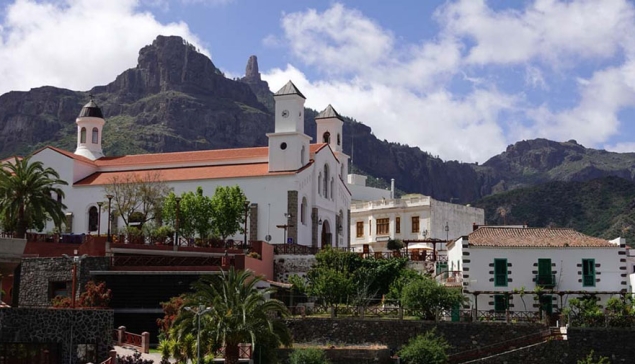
(121, 350)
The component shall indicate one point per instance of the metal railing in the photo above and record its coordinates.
(545, 280)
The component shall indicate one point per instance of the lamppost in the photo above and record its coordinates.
(76, 261)
(246, 216)
(109, 197)
(100, 204)
(198, 311)
(176, 225)
(447, 232)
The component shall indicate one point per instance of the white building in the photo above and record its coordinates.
(411, 217)
(290, 182)
(492, 261)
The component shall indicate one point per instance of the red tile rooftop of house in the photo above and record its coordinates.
(533, 237)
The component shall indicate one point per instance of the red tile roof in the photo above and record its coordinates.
(533, 237)
(187, 173)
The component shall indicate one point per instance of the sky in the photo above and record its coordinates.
(459, 79)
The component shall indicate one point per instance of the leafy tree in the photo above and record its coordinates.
(332, 278)
(142, 194)
(308, 356)
(228, 204)
(590, 359)
(171, 310)
(378, 274)
(394, 244)
(94, 295)
(239, 313)
(586, 311)
(427, 296)
(425, 349)
(404, 277)
(195, 213)
(26, 196)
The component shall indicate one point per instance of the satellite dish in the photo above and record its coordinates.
(268, 238)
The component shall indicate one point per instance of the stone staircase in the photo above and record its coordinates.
(510, 346)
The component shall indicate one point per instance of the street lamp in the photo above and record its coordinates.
(246, 216)
(109, 197)
(178, 208)
(76, 260)
(198, 311)
(447, 232)
(100, 204)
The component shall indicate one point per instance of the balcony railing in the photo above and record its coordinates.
(546, 280)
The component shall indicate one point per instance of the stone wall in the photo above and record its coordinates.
(615, 344)
(394, 333)
(287, 265)
(37, 274)
(63, 327)
(348, 356)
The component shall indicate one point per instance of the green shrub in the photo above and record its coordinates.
(394, 244)
(590, 359)
(425, 349)
(308, 356)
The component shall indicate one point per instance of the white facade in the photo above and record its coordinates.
(361, 192)
(474, 264)
(293, 192)
(403, 214)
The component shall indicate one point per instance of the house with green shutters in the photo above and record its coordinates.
(494, 264)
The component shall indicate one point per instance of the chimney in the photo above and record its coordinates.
(392, 188)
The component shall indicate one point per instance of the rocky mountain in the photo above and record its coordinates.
(175, 99)
(603, 207)
(532, 162)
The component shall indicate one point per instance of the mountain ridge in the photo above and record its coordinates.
(176, 99)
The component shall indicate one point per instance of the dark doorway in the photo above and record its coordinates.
(326, 234)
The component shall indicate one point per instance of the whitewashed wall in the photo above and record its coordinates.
(433, 216)
(566, 267)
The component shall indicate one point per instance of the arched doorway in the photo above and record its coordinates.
(326, 234)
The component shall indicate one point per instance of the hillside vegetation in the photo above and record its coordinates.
(603, 207)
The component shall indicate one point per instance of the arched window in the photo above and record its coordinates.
(95, 136)
(338, 139)
(326, 181)
(332, 189)
(340, 225)
(302, 160)
(342, 171)
(320, 184)
(326, 137)
(82, 135)
(92, 219)
(303, 211)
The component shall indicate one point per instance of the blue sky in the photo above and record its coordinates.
(460, 79)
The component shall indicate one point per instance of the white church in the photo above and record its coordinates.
(291, 183)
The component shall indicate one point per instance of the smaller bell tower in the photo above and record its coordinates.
(330, 126)
(90, 124)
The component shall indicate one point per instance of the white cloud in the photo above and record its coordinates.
(407, 93)
(626, 147)
(549, 30)
(75, 44)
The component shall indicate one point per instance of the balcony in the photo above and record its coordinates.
(545, 280)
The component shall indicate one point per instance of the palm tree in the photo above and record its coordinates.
(240, 313)
(26, 195)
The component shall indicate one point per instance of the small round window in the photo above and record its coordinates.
(283, 146)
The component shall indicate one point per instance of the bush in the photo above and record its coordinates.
(427, 297)
(590, 359)
(425, 349)
(394, 244)
(308, 356)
